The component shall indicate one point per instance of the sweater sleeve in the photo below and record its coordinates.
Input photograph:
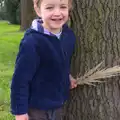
(25, 68)
(73, 37)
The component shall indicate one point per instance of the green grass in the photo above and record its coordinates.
(9, 41)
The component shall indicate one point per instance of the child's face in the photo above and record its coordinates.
(54, 14)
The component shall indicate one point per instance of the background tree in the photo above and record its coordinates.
(2, 10)
(97, 27)
(27, 13)
(12, 11)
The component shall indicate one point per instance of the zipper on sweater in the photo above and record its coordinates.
(63, 53)
(63, 62)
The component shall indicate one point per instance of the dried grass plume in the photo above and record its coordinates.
(98, 75)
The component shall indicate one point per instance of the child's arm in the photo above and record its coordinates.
(26, 65)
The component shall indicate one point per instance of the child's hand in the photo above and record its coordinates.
(73, 82)
(21, 117)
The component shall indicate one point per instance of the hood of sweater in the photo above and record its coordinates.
(37, 25)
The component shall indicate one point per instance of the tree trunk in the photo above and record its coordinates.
(97, 27)
(27, 13)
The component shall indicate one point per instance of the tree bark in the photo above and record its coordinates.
(27, 13)
(96, 24)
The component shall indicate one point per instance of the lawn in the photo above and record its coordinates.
(10, 37)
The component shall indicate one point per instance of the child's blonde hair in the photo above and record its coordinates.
(37, 3)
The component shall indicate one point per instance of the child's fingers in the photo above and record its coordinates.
(73, 84)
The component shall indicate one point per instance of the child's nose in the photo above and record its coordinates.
(57, 12)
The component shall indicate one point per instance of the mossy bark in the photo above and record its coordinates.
(96, 24)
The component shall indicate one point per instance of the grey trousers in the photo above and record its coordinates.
(35, 114)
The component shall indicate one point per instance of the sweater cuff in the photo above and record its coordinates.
(19, 110)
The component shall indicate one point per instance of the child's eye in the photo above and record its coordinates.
(49, 8)
(63, 7)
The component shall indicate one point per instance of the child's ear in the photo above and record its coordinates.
(37, 10)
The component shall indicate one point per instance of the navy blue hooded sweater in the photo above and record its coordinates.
(41, 76)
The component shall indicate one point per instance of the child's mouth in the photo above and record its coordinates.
(57, 19)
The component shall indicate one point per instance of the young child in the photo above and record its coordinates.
(41, 81)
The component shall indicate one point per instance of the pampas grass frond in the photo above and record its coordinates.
(98, 75)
